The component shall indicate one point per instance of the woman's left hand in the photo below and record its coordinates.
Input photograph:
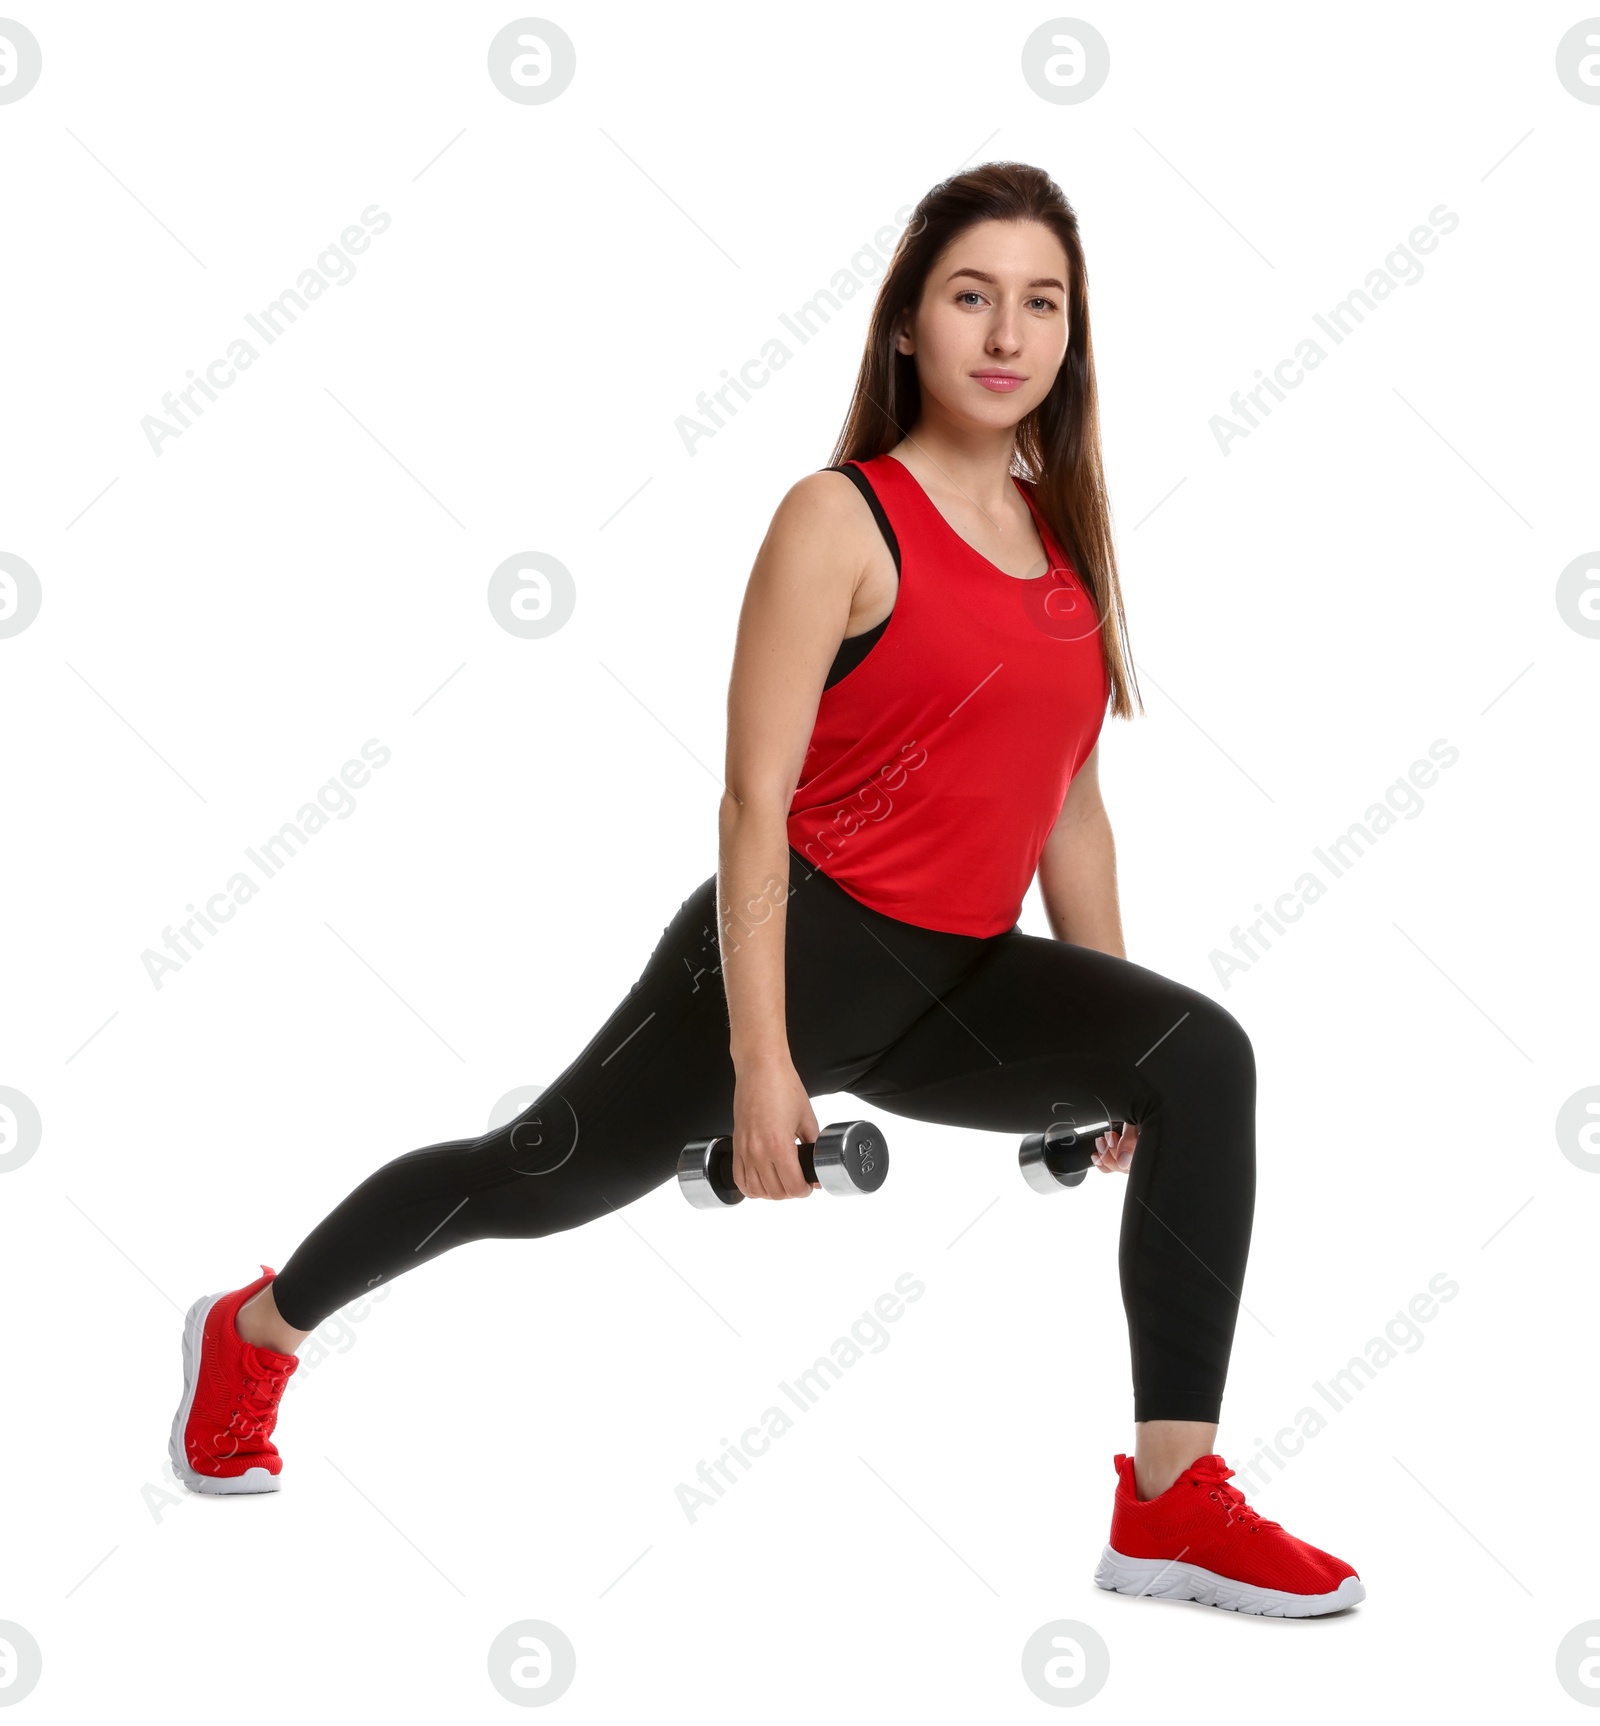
(1113, 1151)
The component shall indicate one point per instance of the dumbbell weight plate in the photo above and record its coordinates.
(705, 1173)
(1060, 1155)
(850, 1157)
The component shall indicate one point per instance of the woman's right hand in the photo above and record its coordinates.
(770, 1112)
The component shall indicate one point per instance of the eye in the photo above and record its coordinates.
(1036, 300)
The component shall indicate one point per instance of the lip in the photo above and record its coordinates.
(1002, 382)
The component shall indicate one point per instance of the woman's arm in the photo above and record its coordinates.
(1078, 868)
(1078, 882)
(795, 612)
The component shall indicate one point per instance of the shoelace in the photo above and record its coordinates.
(258, 1400)
(1232, 1499)
(253, 1416)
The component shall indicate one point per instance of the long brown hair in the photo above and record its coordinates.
(1058, 443)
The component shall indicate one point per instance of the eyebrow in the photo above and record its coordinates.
(984, 276)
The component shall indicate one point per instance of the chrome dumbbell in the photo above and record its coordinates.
(849, 1157)
(1060, 1156)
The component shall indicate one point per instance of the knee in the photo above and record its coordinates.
(1230, 1055)
(1208, 1052)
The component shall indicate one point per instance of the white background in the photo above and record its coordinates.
(306, 567)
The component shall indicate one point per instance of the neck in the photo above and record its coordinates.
(976, 464)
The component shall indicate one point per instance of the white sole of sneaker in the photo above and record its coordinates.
(1166, 1579)
(253, 1479)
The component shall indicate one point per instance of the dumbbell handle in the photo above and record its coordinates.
(807, 1154)
(1060, 1155)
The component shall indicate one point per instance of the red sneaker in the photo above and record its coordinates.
(222, 1433)
(1199, 1540)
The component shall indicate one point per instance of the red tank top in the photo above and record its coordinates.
(938, 765)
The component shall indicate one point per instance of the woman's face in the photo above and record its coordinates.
(994, 301)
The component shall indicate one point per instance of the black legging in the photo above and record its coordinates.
(1002, 1032)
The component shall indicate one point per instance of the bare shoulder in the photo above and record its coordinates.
(822, 519)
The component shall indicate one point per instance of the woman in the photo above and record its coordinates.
(927, 647)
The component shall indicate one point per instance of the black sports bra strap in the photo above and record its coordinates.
(864, 486)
